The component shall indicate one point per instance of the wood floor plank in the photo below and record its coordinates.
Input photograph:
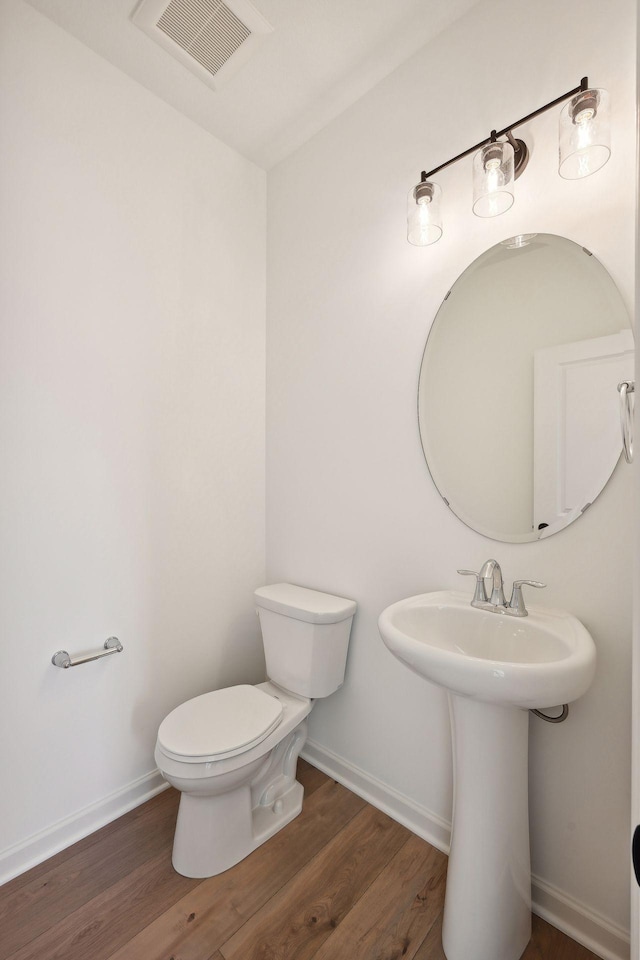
(396, 913)
(33, 907)
(431, 948)
(208, 915)
(300, 917)
(100, 926)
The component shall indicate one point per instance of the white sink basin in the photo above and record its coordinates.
(541, 660)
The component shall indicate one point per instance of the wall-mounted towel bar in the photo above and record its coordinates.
(63, 659)
(626, 389)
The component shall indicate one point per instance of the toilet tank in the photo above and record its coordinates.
(305, 635)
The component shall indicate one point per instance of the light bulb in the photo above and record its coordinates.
(493, 174)
(424, 219)
(585, 115)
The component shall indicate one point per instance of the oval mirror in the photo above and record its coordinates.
(517, 401)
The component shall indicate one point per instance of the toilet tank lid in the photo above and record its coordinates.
(304, 604)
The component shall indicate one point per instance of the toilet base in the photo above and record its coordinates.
(215, 833)
(222, 819)
(268, 820)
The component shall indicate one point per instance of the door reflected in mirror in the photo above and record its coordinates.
(518, 405)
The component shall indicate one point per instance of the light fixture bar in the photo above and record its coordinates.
(584, 85)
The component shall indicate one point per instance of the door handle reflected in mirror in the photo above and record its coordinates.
(626, 389)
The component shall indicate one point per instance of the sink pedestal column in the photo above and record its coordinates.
(487, 912)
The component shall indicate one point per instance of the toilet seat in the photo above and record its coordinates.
(220, 724)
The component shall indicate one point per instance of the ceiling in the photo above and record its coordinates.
(321, 57)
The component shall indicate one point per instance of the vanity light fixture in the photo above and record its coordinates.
(584, 148)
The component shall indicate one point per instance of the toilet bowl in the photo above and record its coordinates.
(233, 752)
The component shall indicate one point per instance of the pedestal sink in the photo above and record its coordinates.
(495, 668)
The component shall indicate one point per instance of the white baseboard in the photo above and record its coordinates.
(593, 931)
(28, 853)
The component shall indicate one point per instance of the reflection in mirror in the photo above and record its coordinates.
(518, 403)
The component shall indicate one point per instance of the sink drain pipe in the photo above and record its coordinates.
(559, 719)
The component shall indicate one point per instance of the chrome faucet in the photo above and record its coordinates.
(492, 570)
(497, 603)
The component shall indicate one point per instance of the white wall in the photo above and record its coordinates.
(132, 420)
(350, 505)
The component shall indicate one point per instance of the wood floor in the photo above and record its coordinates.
(343, 880)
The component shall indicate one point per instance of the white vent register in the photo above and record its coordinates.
(211, 38)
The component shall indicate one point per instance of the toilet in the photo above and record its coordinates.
(233, 752)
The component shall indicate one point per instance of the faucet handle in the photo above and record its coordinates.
(516, 603)
(480, 594)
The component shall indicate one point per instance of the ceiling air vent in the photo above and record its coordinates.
(211, 38)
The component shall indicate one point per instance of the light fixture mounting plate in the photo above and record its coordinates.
(520, 157)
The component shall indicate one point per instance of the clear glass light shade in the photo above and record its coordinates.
(424, 214)
(493, 179)
(585, 138)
